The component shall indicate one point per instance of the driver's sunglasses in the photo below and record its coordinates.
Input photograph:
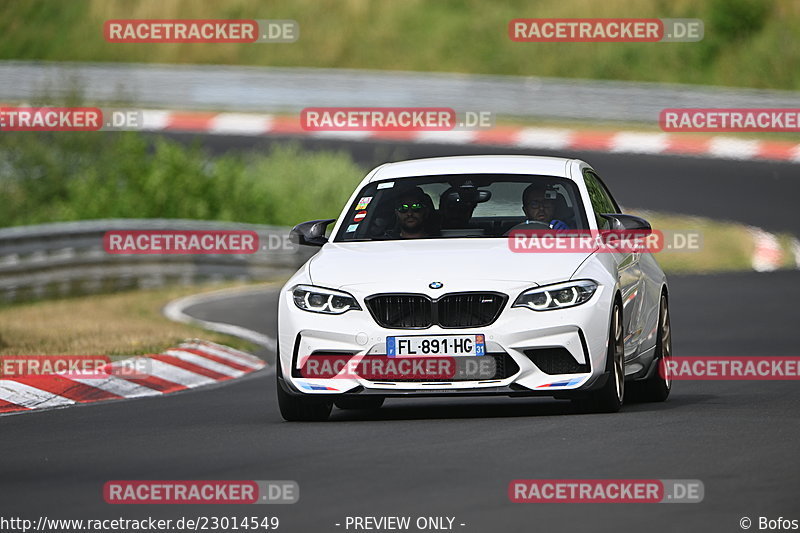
(405, 208)
(535, 204)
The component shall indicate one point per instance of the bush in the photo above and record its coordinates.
(77, 176)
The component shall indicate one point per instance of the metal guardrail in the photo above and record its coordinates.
(267, 89)
(55, 260)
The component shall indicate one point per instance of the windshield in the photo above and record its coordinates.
(461, 206)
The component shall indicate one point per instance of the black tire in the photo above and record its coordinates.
(610, 397)
(299, 408)
(657, 387)
(367, 402)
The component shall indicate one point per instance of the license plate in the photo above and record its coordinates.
(440, 345)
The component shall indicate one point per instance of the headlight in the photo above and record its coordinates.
(321, 300)
(558, 296)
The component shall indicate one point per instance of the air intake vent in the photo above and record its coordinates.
(556, 361)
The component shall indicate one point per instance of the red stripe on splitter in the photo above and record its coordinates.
(8, 407)
(180, 363)
(217, 359)
(61, 386)
(190, 121)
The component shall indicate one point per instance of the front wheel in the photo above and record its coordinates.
(301, 408)
(609, 398)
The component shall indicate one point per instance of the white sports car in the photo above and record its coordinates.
(421, 268)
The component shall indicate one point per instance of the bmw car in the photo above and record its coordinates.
(421, 266)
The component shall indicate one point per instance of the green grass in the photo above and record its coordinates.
(126, 323)
(724, 246)
(749, 43)
(74, 176)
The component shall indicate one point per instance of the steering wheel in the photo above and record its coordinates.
(530, 224)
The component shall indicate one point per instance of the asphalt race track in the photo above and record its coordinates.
(439, 457)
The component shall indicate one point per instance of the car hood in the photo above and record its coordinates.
(413, 264)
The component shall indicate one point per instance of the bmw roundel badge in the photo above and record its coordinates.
(436, 285)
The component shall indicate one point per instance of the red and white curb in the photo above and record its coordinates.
(768, 253)
(189, 365)
(514, 137)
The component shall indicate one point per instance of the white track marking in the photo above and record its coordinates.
(118, 386)
(639, 143)
(446, 137)
(201, 361)
(240, 124)
(347, 135)
(155, 120)
(731, 148)
(30, 397)
(555, 139)
(768, 254)
(244, 359)
(178, 375)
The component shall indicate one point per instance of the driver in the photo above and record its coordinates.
(539, 205)
(412, 209)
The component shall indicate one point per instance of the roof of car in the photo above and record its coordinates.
(475, 164)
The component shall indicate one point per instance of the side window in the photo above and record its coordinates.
(601, 199)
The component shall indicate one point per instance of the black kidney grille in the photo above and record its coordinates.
(401, 310)
(469, 310)
(417, 311)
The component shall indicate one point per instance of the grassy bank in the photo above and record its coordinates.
(128, 323)
(722, 246)
(56, 178)
(749, 43)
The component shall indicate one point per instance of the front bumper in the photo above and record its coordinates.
(579, 332)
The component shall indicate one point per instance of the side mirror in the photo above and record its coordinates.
(620, 221)
(311, 233)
